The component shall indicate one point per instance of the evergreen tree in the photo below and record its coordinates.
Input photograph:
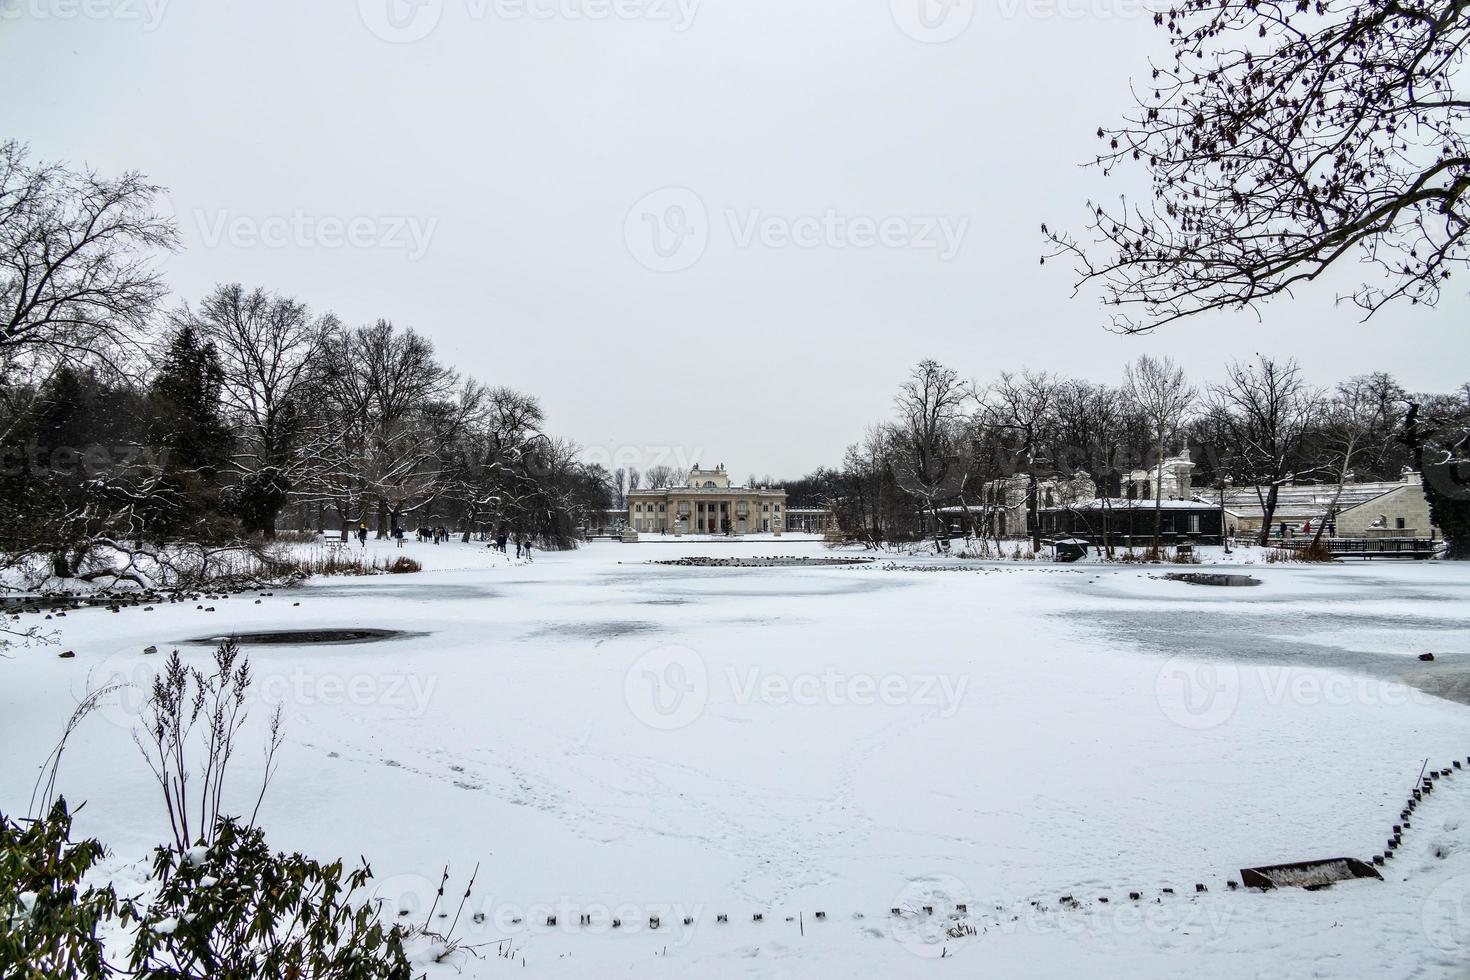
(189, 438)
(185, 417)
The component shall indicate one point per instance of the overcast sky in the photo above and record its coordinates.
(698, 230)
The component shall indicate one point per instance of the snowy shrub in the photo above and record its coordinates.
(49, 923)
(1315, 552)
(345, 561)
(234, 909)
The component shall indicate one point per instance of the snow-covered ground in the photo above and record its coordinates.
(609, 737)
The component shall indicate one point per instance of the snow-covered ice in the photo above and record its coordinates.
(609, 737)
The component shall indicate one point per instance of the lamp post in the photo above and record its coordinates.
(1225, 482)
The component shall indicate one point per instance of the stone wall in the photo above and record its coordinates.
(1405, 512)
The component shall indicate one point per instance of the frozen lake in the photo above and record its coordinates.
(600, 732)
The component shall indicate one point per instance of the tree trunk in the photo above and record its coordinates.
(1033, 515)
(1268, 511)
(1332, 507)
(1158, 497)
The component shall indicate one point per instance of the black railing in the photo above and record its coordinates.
(1369, 547)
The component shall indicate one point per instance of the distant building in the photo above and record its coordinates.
(1377, 509)
(708, 503)
(810, 520)
(1003, 503)
(1131, 522)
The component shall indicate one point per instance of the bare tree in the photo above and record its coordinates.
(1265, 412)
(1097, 434)
(924, 438)
(1158, 391)
(392, 410)
(658, 477)
(268, 347)
(1351, 419)
(1023, 407)
(76, 250)
(1282, 138)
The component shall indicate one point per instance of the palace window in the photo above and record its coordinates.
(742, 508)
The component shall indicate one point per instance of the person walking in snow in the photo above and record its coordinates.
(500, 542)
(362, 533)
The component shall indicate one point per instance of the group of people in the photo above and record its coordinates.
(523, 544)
(439, 533)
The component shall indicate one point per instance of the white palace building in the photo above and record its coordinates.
(708, 503)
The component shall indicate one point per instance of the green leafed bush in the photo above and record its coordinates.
(234, 909)
(50, 926)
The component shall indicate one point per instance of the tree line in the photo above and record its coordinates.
(951, 446)
(131, 419)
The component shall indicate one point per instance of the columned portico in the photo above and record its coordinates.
(708, 503)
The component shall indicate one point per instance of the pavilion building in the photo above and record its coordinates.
(707, 503)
